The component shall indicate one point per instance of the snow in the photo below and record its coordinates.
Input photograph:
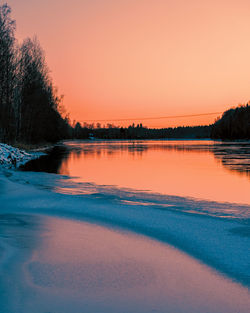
(222, 243)
(11, 157)
(53, 262)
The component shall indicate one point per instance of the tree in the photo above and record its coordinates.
(7, 74)
(38, 118)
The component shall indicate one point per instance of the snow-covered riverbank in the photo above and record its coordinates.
(11, 157)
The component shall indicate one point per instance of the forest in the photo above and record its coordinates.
(139, 132)
(234, 124)
(31, 110)
(29, 104)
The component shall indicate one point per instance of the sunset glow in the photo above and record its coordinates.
(118, 59)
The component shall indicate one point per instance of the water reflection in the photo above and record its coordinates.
(201, 169)
(50, 163)
(234, 156)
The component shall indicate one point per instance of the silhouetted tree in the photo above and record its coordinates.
(7, 74)
(29, 104)
(39, 119)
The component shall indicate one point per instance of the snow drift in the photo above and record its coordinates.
(11, 157)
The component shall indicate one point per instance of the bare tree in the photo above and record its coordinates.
(40, 105)
(7, 73)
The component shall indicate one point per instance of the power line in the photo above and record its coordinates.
(152, 118)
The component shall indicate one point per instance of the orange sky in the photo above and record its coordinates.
(142, 58)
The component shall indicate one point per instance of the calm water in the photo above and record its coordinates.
(200, 169)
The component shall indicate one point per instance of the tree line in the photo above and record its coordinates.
(234, 124)
(139, 132)
(29, 104)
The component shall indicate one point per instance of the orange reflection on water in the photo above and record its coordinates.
(173, 168)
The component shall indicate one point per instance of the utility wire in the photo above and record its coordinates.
(152, 118)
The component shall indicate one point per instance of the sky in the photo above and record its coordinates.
(122, 59)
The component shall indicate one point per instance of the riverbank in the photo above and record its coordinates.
(34, 147)
(13, 157)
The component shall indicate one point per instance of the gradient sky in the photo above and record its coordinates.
(142, 58)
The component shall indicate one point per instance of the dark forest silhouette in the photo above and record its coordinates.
(139, 132)
(29, 104)
(234, 124)
(31, 110)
